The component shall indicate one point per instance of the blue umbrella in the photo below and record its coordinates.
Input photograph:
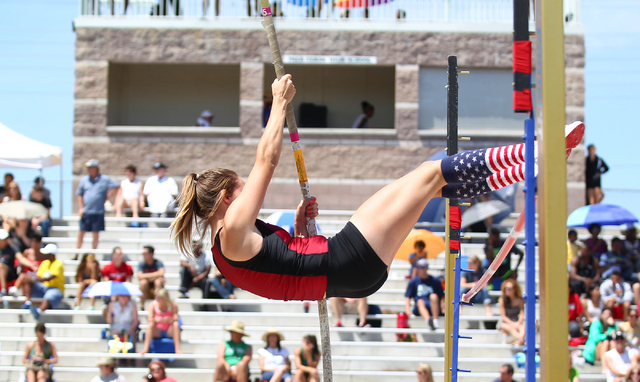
(603, 214)
(111, 288)
(285, 220)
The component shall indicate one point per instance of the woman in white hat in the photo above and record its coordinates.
(274, 359)
(233, 356)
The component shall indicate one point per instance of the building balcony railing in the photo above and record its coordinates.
(437, 11)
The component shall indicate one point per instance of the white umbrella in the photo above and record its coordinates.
(21, 209)
(111, 288)
(483, 210)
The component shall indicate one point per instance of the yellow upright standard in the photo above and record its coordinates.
(552, 190)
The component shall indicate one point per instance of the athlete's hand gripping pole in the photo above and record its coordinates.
(267, 23)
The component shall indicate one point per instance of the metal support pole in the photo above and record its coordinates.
(530, 261)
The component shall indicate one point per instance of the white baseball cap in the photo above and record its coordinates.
(49, 249)
(92, 163)
(3, 234)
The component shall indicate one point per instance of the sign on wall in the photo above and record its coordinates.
(307, 59)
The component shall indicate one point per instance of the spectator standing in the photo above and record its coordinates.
(617, 361)
(512, 310)
(506, 374)
(122, 317)
(107, 367)
(362, 122)
(592, 304)
(49, 283)
(584, 271)
(469, 279)
(596, 245)
(339, 305)
(573, 248)
(44, 221)
(94, 190)
(233, 356)
(13, 193)
(205, 119)
(631, 329)
(39, 181)
(306, 359)
(274, 359)
(617, 295)
(117, 269)
(420, 252)
(158, 373)
(162, 321)
(491, 249)
(425, 373)
(87, 274)
(8, 178)
(594, 168)
(8, 271)
(160, 190)
(598, 341)
(39, 357)
(150, 274)
(427, 293)
(194, 271)
(130, 194)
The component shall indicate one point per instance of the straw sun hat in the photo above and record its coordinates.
(237, 327)
(265, 337)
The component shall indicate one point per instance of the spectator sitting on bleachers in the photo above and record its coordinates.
(160, 190)
(631, 329)
(617, 295)
(596, 245)
(233, 356)
(115, 250)
(573, 247)
(617, 361)
(13, 193)
(44, 221)
(306, 359)
(8, 271)
(39, 181)
(29, 261)
(130, 194)
(576, 314)
(420, 252)
(425, 373)
(48, 284)
(194, 271)
(491, 249)
(39, 356)
(631, 246)
(615, 260)
(87, 274)
(274, 359)
(107, 367)
(512, 310)
(351, 306)
(506, 374)
(592, 304)
(223, 286)
(469, 279)
(157, 373)
(150, 274)
(584, 271)
(634, 373)
(122, 317)
(162, 321)
(20, 232)
(117, 269)
(427, 293)
(598, 341)
(8, 178)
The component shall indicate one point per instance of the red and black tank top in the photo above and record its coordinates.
(286, 268)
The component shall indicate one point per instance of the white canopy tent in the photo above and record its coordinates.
(18, 151)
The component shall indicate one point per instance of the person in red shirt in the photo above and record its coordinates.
(117, 269)
(576, 314)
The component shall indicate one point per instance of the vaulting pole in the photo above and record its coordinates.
(267, 23)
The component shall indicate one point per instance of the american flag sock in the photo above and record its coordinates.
(474, 165)
(498, 180)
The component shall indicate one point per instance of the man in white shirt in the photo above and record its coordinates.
(160, 190)
(617, 361)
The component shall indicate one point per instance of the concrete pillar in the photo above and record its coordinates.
(406, 105)
(251, 103)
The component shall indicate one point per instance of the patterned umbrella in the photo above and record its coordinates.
(603, 214)
(112, 288)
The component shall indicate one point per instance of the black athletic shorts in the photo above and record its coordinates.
(354, 269)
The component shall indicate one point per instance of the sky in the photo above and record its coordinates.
(37, 80)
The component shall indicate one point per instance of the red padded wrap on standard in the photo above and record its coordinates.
(273, 285)
(455, 217)
(522, 100)
(454, 244)
(522, 57)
